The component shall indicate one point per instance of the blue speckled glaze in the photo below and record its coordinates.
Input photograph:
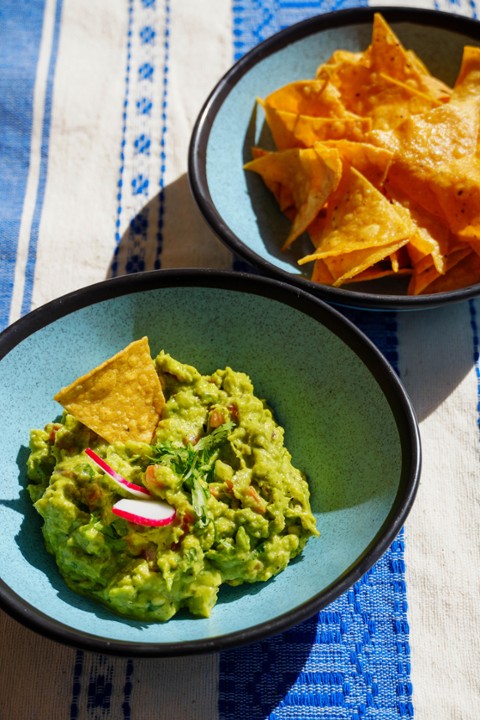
(348, 425)
(237, 203)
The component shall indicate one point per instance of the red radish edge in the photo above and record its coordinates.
(132, 487)
(144, 512)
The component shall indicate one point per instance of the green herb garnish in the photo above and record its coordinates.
(195, 465)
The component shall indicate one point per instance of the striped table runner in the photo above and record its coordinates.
(97, 103)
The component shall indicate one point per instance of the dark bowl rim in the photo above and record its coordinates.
(338, 324)
(197, 153)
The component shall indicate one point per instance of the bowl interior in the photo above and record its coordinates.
(344, 427)
(243, 210)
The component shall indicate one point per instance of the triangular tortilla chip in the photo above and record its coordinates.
(388, 55)
(121, 399)
(468, 79)
(311, 174)
(344, 268)
(430, 280)
(317, 98)
(359, 218)
(371, 161)
(436, 162)
(290, 130)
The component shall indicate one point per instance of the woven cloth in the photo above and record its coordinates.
(97, 104)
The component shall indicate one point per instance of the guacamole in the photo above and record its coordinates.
(217, 457)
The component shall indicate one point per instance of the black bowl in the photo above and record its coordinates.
(238, 206)
(348, 422)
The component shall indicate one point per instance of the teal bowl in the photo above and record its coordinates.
(237, 205)
(349, 425)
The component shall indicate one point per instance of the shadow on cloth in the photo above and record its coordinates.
(169, 232)
(266, 670)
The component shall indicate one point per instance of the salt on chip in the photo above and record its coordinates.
(121, 399)
(349, 73)
(372, 94)
(389, 102)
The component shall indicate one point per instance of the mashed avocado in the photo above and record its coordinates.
(217, 457)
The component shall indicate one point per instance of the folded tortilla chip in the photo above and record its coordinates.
(310, 175)
(359, 218)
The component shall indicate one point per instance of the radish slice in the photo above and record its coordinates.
(133, 488)
(144, 512)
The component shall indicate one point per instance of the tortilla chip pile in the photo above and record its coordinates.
(379, 162)
(121, 399)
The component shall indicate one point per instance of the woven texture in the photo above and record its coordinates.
(352, 660)
(97, 104)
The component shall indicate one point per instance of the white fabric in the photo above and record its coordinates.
(442, 540)
(76, 246)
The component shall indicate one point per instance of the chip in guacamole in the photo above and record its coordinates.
(240, 510)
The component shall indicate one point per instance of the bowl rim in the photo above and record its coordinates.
(197, 152)
(390, 384)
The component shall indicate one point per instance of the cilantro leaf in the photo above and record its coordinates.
(195, 465)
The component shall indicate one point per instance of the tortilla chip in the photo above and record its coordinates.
(385, 100)
(429, 278)
(321, 273)
(468, 78)
(290, 130)
(310, 174)
(372, 162)
(121, 399)
(431, 240)
(282, 193)
(386, 82)
(436, 159)
(359, 218)
(344, 268)
(317, 98)
(407, 197)
(388, 56)
(350, 76)
(463, 270)
(376, 272)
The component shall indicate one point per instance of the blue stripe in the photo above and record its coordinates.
(118, 219)
(133, 243)
(256, 21)
(163, 156)
(100, 686)
(76, 684)
(19, 40)
(352, 660)
(127, 691)
(32, 248)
